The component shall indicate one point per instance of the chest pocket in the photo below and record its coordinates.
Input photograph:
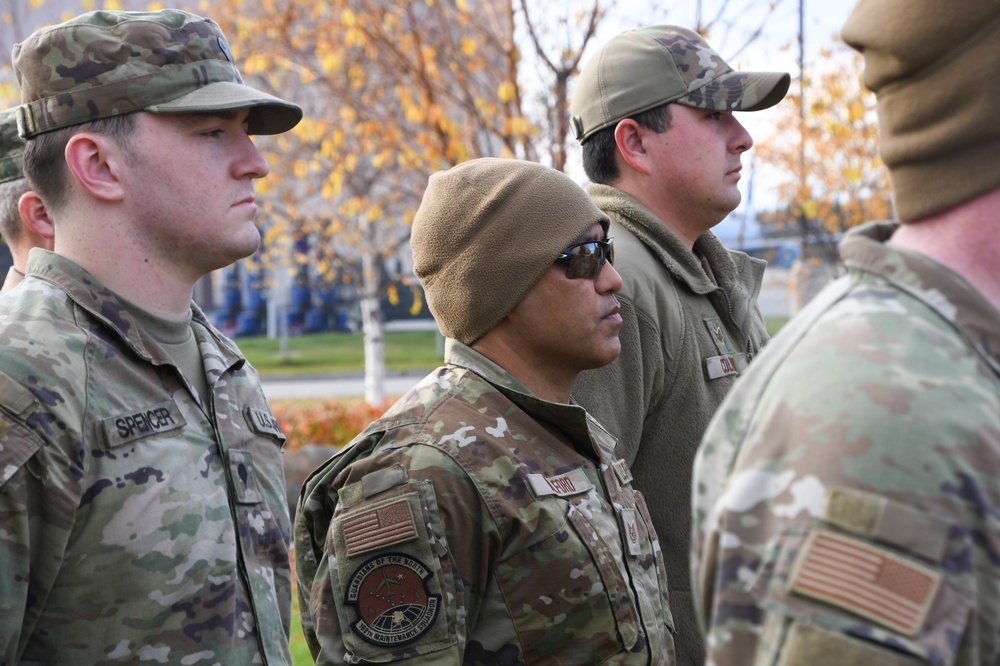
(243, 476)
(256, 455)
(567, 588)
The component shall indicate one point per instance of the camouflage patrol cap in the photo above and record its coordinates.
(643, 68)
(484, 234)
(11, 147)
(108, 63)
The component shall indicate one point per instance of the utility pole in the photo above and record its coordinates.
(803, 221)
(799, 279)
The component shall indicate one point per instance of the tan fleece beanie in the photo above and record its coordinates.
(935, 69)
(486, 231)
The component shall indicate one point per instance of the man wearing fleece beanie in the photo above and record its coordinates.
(485, 518)
(846, 507)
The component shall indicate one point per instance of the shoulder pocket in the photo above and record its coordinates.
(17, 442)
(391, 588)
(851, 585)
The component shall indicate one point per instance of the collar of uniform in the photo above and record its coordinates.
(672, 252)
(102, 303)
(230, 354)
(570, 419)
(939, 287)
(93, 296)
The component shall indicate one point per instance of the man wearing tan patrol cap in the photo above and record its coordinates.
(654, 112)
(485, 518)
(143, 510)
(846, 499)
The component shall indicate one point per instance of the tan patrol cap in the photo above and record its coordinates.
(644, 68)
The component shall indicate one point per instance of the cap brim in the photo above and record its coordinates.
(773, 85)
(271, 115)
(740, 91)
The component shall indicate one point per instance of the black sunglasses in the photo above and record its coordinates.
(584, 260)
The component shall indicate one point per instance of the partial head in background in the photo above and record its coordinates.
(24, 222)
(934, 70)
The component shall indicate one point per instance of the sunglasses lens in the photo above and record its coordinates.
(584, 260)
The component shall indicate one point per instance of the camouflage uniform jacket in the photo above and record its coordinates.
(848, 492)
(475, 523)
(684, 340)
(136, 524)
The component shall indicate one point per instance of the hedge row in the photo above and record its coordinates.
(331, 421)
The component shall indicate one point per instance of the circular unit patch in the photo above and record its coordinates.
(389, 593)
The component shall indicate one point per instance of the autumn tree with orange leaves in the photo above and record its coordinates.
(830, 175)
(392, 92)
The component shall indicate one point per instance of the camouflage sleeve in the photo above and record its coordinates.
(39, 493)
(405, 560)
(847, 504)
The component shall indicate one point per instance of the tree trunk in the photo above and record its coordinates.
(373, 328)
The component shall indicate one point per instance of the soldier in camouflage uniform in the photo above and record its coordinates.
(847, 494)
(141, 494)
(485, 519)
(24, 222)
(653, 109)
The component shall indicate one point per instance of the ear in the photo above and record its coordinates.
(629, 138)
(36, 218)
(93, 160)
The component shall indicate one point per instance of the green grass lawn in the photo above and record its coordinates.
(297, 642)
(328, 353)
(774, 323)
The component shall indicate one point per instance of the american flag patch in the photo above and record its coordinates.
(379, 527)
(866, 580)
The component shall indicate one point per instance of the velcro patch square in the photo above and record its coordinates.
(379, 527)
(866, 580)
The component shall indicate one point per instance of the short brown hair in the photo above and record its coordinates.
(45, 164)
(599, 151)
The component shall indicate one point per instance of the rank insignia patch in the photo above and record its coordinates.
(389, 593)
(718, 333)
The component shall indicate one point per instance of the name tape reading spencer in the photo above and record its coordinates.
(142, 422)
